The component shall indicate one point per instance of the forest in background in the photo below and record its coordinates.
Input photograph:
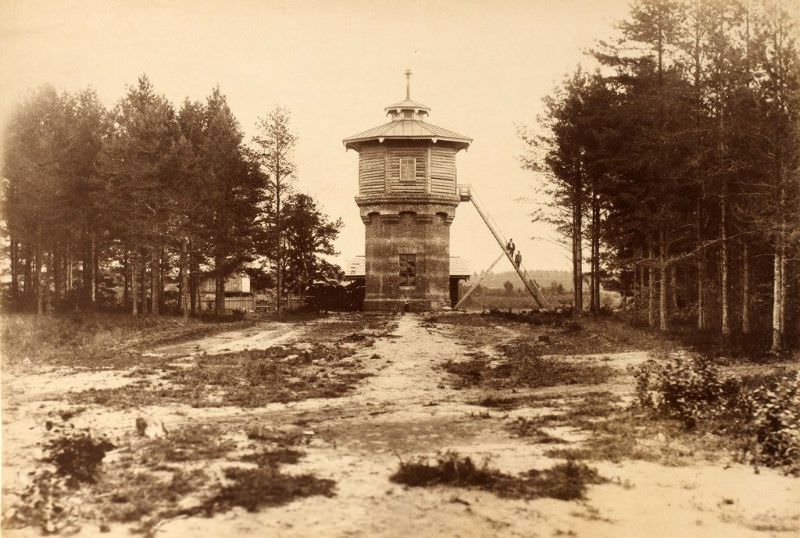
(147, 192)
(676, 166)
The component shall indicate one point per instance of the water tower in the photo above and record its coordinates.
(407, 197)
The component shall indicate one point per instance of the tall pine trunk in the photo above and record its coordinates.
(134, 295)
(142, 282)
(777, 296)
(48, 283)
(184, 279)
(595, 306)
(14, 252)
(745, 289)
(577, 239)
(93, 270)
(126, 270)
(58, 275)
(193, 281)
(663, 315)
(39, 286)
(725, 326)
(577, 263)
(673, 287)
(701, 273)
(279, 255)
(28, 287)
(651, 287)
(155, 281)
(70, 275)
(640, 304)
(219, 295)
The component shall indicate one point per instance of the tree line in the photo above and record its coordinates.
(147, 191)
(676, 166)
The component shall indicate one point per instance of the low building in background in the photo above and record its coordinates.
(238, 294)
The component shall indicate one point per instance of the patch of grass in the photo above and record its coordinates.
(495, 402)
(564, 481)
(95, 340)
(151, 480)
(531, 430)
(144, 497)
(524, 367)
(584, 410)
(254, 378)
(250, 378)
(265, 486)
(77, 455)
(187, 444)
(273, 458)
(631, 435)
(552, 333)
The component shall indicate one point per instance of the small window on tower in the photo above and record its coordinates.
(408, 269)
(408, 114)
(408, 169)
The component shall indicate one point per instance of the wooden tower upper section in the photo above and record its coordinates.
(407, 155)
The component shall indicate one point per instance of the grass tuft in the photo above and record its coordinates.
(564, 481)
(265, 486)
(77, 456)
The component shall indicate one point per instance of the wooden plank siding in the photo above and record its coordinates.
(372, 170)
(393, 182)
(435, 169)
(443, 170)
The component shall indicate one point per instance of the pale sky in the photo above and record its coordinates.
(482, 67)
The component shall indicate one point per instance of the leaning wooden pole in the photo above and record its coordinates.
(478, 283)
(530, 283)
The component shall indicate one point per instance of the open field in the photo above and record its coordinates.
(365, 425)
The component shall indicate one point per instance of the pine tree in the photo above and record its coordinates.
(275, 145)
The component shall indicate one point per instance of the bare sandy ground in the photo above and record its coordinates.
(408, 408)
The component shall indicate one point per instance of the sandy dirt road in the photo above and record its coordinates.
(408, 408)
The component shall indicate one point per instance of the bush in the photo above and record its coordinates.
(687, 390)
(77, 455)
(776, 424)
(764, 412)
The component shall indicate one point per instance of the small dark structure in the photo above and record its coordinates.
(354, 271)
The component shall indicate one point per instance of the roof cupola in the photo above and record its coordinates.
(407, 109)
(407, 123)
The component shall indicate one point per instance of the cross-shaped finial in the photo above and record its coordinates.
(408, 83)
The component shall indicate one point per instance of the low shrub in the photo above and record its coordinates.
(763, 412)
(687, 390)
(77, 455)
(71, 458)
(775, 424)
(265, 486)
(564, 481)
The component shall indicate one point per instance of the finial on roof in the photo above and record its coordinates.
(408, 83)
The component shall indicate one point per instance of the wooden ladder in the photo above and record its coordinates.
(468, 195)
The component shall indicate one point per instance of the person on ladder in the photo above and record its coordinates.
(510, 246)
(518, 259)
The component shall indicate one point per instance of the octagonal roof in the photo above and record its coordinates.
(407, 124)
